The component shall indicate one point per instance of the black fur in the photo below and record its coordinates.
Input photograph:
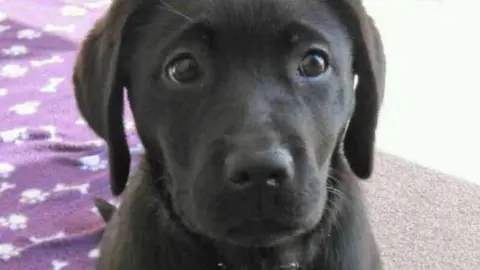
(250, 113)
(105, 208)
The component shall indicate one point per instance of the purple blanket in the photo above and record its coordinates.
(51, 164)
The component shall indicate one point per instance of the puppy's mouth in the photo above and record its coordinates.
(260, 232)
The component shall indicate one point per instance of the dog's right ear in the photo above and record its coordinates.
(98, 85)
(370, 67)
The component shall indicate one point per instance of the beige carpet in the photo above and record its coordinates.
(424, 219)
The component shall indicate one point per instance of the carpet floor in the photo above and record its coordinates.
(423, 219)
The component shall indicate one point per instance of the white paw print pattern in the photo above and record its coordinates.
(6, 169)
(129, 125)
(81, 122)
(28, 34)
(95, 210)
(52, 60)
(3, 16)
(52, 85)
(16, 135)
(16, 50)
(39, 240)
(4, 28)
(98, 4)
(92, 163)
(72, 11)
(14, 222)
(137, 149)
(52, 133)
(83, 188)
(33, 196)
(59, 265)
(4, 186)
(13, 71)
(94, 143)
(59, 28)
(94, 253)
(26, 108)
(8, 251)
(3, 92)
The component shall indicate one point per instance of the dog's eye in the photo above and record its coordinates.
(184, 70)
(313, 64)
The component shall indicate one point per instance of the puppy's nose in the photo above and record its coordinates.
(270, 168)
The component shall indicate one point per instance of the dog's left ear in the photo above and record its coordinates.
(370, 67)
(99, 85)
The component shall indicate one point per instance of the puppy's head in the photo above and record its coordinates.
(240, 104)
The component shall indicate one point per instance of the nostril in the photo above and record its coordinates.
(241, 179)
(276, 177)
(277, 174)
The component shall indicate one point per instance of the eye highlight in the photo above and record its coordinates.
(314, 64)
(184, 69)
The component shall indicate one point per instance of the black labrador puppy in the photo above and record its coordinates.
(255, 133)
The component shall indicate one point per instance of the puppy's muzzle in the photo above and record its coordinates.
(259, 169)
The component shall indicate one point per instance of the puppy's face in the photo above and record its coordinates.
(244, 102)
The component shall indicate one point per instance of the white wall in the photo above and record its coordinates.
(432, 107)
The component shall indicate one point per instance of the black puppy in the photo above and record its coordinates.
(254, 131)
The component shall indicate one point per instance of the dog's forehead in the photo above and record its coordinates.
(252, 18)
(257, 14)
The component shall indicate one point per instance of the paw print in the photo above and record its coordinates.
(72, 11)
(48, 61)
(50, 133)
(129, 125)
(92, 163)
(81, 122)
(4, 28)
(14, 222)
(4, 186)
(28, 34)
(16, 135)
(52, 85)
(8, 251)
(58, 265)
(95, 210)
(26, 108)
(16, 50)
(6, 169)
(33, 196)
(83, 189)
(94, 253)
(98, 4)
(13, 71)
(60, 28)
(95, 143)
(38, 240)
(137, 149)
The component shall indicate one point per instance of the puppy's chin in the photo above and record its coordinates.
(263, 231)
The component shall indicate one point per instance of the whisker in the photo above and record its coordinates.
(172, 9)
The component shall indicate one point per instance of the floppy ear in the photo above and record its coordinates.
(98, 86)
(369, 65)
